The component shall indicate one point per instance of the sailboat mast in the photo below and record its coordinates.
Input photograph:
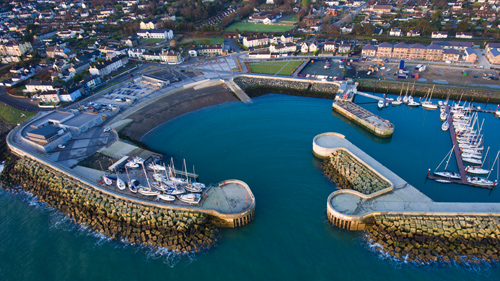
(146, 175)
(492, 167)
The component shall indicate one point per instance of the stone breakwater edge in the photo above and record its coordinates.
(420, 239)
(107, 216)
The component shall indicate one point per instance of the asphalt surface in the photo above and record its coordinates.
(20, 103)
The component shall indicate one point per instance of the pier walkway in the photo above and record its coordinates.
(400, 199)
(238, 91)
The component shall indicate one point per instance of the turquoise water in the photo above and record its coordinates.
(268, 145)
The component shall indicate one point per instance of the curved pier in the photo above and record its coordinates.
(353, 210)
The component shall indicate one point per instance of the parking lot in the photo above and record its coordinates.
(128, 94)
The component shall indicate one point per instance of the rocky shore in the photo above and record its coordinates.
(180, 231)
(258, 86)
(348, 173)
(423, 239)
(440, 91)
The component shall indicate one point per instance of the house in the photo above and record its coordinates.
(369, 51)
(283, 48)
(42, 86)
(417, 52)
(439, 34)
(329, 46)
(211, 50)
(457, 45)
(434, 52)
(493, 53)
(193, 53)
(40, 37)
(286, 38)
(136, 53)
(255, 41)
(413, 33)
(384, 50)
(400, 51)
(108, 66)
(464, 35)
(71, 95)
(78, 67)
(156, 33)
(15, 49)
(151, 24)
(90, 82)
(171, 57)
(346, 29)
(313, 47)
(304, 48)
(451, 55)
(395, 32)
(265, 18)
(130, 41)
(469, 55)
(381, 9)
(152, 55)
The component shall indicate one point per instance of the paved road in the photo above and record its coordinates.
(19, 103)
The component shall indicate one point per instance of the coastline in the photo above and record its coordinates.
(172, 106)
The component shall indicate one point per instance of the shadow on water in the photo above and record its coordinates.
(360, 129)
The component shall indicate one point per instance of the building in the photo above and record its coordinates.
(41, 86)
(344, 48)
(152, 55)
(470, 56)
(136, 53)
(286, 38)
(451, 55)
(255, 41)
(156, 33)
(82, 122)
(493, 53)
(434, 52)
(400, 51)
(369, 51)
(71, 94)
(151, 24)
(313, 47)
(439, 34)
(108, 66)
(304, 48)
(211, 50)
(417, 52)
(15, 49)
(395, 32)
(413, 33)
(384, 50)
(49, 97)
(171, 57)
(329, 46)
(464, 35)
(381, 9)
(265, 18)
(78, 67)
(457, 45)
(283, 48)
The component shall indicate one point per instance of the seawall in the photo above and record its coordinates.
(399, 219)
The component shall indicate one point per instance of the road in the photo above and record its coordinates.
(351, 15)
(20, 103)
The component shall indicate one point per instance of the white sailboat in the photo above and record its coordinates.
(476, 170)
(107, 180)
(166, 197)
(443, 116)
(120, 184)
(445, 126)
(446, 173)
(427, 104)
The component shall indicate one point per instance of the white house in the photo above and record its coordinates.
(464, 35)
(283, 48)
(395, 32)
(329, 46)
(156, 33)
(136, 53)
(439, 34)
(304, 48)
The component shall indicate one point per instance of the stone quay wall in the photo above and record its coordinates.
(255, 86)
(176, 230)
(422, 238)
(440, 91)
(349, 173)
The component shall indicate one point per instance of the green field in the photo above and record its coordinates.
(274, 67)
(259, 27)
(204, 41)
(12, 115)
(153, 40)
(290, 18)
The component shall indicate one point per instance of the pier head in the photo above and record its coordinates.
(397, 217)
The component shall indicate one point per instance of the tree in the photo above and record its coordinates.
(368, 28)
(305, 4)
(98, 9)
(463, 25)
(423, 26)
(436, 16)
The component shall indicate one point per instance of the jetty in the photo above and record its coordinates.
(458, 158)
(353, 210)
(344, 105)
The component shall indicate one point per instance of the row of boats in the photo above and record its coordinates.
(409, 100)
(469, 140)
(165, 185)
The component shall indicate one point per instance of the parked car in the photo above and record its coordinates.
(107, 129)
(61, 146)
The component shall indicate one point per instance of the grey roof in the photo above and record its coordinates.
(385, 45)
(45, 131)
(434, 47)
(417, 46)
(81, 119)
(401, 46)
(452, 51)
(369, 47)
(469, 51)
(57, 115)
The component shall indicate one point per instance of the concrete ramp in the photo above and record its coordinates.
(206, 84)
(238, 91)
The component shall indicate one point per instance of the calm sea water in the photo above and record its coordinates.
(268, 145)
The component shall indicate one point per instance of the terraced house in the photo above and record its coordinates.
(493, 52)
(416, 52)
(432, 52)
(255, 41)
(211, 50)
(400, 51)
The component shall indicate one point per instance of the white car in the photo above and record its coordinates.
(107, 129)
(61, 146)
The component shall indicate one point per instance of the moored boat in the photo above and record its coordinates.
(445, 126)
(166, 197)
(148, 192)
(120, 184)
(448, 174)
(476, 170)
(480, 181)
(472, 160)
(443, 181)
(190, 198)
(381, 104)
(107, 180)
(443, 116)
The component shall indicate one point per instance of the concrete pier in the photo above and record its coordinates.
(369, 121)
(353, 210)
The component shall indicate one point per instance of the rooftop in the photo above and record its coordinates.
(80, 119)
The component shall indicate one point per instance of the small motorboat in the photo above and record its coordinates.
(107, 180)
(445, 126)
(157, 167)
(472, 160)
(190, 198)
(132, 165)
(448, 174)
(480, 181)
(476, 170)
(381, 104)
(193, 188)
(413, 103)
(175, 190)
(166, 197)
(443, 116)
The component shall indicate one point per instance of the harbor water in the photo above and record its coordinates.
(267, 144)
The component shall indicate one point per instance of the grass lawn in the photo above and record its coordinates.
(290, 18)
(207, 40)
(259, 27)
(153, 40)
(274, 66)
(12, 115)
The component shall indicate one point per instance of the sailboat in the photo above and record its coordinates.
(427, 104)
(120, 184)
(399, 99)
(166, 197)
(445, 126)
(130, 184)
(446, 173)
(190, 187)
(147, 190)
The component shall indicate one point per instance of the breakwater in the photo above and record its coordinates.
(440, 91)
(179, 230)
(347, 172)
(437, 238)
(255, 86)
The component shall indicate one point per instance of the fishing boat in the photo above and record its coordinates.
(190, 198)
(120, 184)
(147, 191)
(107, 180)
(381, 104)
(476, 170)
(166, 197)
(445, 126)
